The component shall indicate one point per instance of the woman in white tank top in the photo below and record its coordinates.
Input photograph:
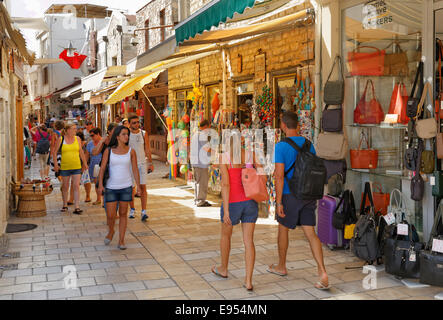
(120, 161)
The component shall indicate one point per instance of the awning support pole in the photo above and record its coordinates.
(224, 79)
(154, 109)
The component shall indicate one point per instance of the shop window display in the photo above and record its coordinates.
(381, 50)
(245, 96)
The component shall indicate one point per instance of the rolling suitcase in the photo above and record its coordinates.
(328, 235)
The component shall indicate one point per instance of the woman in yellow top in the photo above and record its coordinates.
(72, 164)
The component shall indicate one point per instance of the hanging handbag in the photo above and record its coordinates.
(368, 112)
(439, 145)
(381, 200)
(332, 119)
(427, 161)
(254, 185)
(414, 100)
(331, 146)
(396, 64)
(335, 185)
(437, 188)
(411, 153)
(417, 183)
(334, 167)
(344, 214)
(334, 91)
(366, 63)
(402, 255)
(364, 158)
(399, 100)
(439, 83)
(431, 262)
(364, 243)
(426, 128)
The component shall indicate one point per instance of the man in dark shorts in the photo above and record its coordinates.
(292, 212)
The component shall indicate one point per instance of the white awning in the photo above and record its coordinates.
(30, 23)
(94, 81)
(70, 91)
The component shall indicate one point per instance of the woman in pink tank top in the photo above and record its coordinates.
(236, 208)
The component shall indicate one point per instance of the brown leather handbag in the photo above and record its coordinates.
(439, 143)
(381, 200)
(368, 112)
(364, 158)
(396, 64)
(426, 128)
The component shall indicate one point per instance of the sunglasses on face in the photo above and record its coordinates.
(135, 122)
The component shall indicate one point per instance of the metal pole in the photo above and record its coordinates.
(155, 109)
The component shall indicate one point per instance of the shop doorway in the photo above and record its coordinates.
(244, 102)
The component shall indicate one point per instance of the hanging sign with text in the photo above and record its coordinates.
(376, 14)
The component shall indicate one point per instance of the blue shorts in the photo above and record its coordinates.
(124, 195)
(298, 212)
(244, 212)
(68, 173)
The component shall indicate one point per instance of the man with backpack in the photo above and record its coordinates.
(299, 183)
(139, 141)
(42, 150)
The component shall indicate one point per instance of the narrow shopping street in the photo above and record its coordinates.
(170, 256)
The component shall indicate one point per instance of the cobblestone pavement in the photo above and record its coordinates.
(170, 257)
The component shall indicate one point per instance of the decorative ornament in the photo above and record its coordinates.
(186, 119)
(183, 168)
(72, 58)
(181, 125)
(185, 133)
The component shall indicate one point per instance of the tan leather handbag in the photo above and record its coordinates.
(396, 64)
(426, 128)
(439, 143)
(331, 146)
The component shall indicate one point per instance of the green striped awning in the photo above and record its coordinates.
(210, 15)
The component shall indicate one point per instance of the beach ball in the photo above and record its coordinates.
(181, 125)
(183, 169)
(185, 133)
(186, 118)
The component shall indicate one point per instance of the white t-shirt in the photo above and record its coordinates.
(137, 142)
(120, 173)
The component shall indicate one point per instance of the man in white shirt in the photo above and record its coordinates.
(139, 141)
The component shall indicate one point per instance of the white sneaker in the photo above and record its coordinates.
(132, 214)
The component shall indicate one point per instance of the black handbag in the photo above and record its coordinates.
(334, 167)
(414, 100)
(417, 183)
(332, 119)
(431, 263)
(402, 255)
(106, 173)
(414, 144)
(335, 185)
(334, 91)
(345, 212)
(365, 242)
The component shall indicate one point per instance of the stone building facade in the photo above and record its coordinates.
(120, 31)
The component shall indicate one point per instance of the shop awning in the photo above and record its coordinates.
(128, 87)
(226, 35)
(95, 80)
(209, 16)
(71, 91)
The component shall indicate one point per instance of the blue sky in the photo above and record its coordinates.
(36, 8)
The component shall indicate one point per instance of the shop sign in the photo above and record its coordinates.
(18, 67)
(376, 14)
(260, 67)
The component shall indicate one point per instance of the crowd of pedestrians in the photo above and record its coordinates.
(118, 165)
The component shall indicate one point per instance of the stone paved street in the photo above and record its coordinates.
(170, 257)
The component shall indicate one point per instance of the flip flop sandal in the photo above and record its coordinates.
(321, 286)
(64, 209)
(70, 203)
(97, 203)
(77, 211)
(271, 270)
(87, 201)
(215, 271)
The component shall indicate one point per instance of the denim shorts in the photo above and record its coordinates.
(68, 173)
(244, 212)
(124, 195)
(297, 212)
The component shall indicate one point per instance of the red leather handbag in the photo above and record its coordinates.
(381, 200)
(399, 101)
(367, 63)
(364, 158)
(368, 112)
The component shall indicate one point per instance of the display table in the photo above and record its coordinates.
(31, 203)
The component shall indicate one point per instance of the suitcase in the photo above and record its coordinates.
(328, 235)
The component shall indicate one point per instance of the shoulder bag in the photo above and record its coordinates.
(411, 153)
(396, 64)
(331, 146)
(364, 243)
(417, 183)
(399, 100)
(431, 262)
(364, 158)
(367, 63)
(336, 185)
(254, 185)
(334, 90)
(368, 112)
(427, 162)
(381, 200)
(414, 100)
(426, 128)
(332, 119)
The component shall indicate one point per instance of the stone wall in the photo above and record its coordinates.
(151, 12)
(284, 51)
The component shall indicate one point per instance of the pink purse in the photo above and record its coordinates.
(254, 185)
